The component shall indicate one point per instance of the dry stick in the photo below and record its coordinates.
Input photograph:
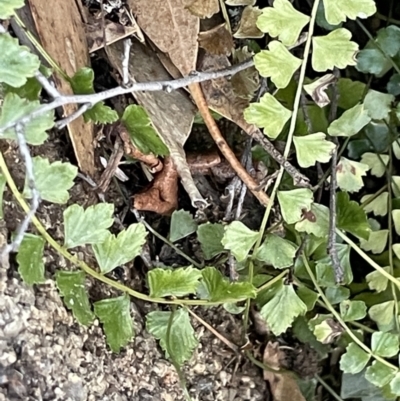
(24, 150)
(332, 249)
(120, 90)
(298, 178)
(198, 97)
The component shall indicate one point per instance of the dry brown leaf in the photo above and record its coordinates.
(203, 8)
(219, 92)
(247, 26)
(245, 82)
(317, 89)
(113, 33)
(61, 33)
(172, 28)
(217, 40)
(237, 3)
(283, 385)
(172, 114)
(162, 195)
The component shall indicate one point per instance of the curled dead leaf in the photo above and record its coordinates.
(283, 385)
(317, 89)
(162, 194)
(154, 163)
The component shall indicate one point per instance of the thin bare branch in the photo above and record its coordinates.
(125, 63)
(65, 121)
(47, 86)
(140, 86)
(25, 153)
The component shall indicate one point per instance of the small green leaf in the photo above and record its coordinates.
(376, 162)
(354, 360)
(308, 296)
(17, 62)
(350, 92)
(8, 7)
(378, 206)
(82, 84)
(313, 148)
(268, 114)
(316, 221)
(114, 314)
(182, 225)
(15, 108)
(277, 63)
(115, 251)
(177, 282)
(337, 11)
(277, 251)
(382, 313)
(233, 308)
(333, 50)
(373, 61)
(393, 86)
(388, 40)
(72, 288)
(293, 203)
(217, 288)
(376, 242)
(378, 104)
(29, 91)
(282, 309)
(282, 21)
(321, 19)
(377, 281)
(337, 294)
(349, 175)
(353, 310)
(350, 122)
(210, 237)
(396, 220)
(87, 226)
(239, 240)
(351, 217)
(52, 180)
(182, 340)
(3, 183)
(30, 259)
(379, 374)
(141, 131)
(395, 384)
(326, 330)
(384, 344)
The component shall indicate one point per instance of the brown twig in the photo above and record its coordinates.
(198, 97)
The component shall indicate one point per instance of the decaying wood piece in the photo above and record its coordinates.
(172, 114)
(61, 33)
